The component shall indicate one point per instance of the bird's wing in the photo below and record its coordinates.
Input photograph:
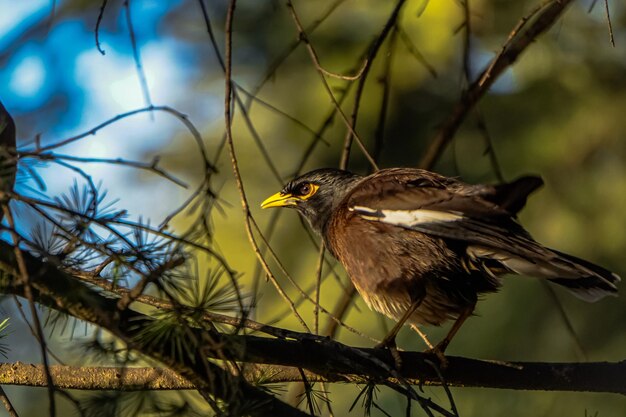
(410, 187)
(511, 196)
(449, 209)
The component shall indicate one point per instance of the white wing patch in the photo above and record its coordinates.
(407, 218)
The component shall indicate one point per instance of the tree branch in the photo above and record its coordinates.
(336, 362)
(58, 290)
(328, 359)
(7, 403)
(514, 47)
(93, 378)
(462, 372)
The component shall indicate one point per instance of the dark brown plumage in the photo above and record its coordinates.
(420, 247)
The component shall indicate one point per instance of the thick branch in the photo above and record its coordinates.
(330, 359)
(61, 291)
(93, 378)
(336, 362)
(589, 377)
(114, 378)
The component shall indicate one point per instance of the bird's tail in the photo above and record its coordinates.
(584, 279)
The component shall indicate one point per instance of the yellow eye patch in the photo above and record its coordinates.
(306, 191)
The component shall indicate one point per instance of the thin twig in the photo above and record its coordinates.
(302, 35)
(52, 15)
(97, 29)
(318, 287)
(413, 50)
(544, 20)
(467, 74)
(235, 166)
(489, 150)
(152, 166)
(286, 115)
(33, 332)
(28, 292)
(244, 110)
(371, 56)
(436, 368)
(569, 326)
(608, 21)
(385, 80)
(512, 34)
(467, 38)
(137, 58)
(282, 57)
(166, 109)
(331, 74)
(7, 403)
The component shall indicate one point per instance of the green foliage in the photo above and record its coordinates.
(168, 333)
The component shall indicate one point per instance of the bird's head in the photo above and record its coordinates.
(315, 194)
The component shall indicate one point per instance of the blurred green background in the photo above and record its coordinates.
(559, 113)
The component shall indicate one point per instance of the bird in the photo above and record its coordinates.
(421, 248)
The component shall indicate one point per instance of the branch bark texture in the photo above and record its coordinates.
(330, 360)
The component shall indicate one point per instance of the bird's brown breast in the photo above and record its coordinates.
(391, 266)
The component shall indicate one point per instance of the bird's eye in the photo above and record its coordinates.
(304, 189)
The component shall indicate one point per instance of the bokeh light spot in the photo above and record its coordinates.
(28, 77)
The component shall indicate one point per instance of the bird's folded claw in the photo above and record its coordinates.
(438, 352)
(390, 343)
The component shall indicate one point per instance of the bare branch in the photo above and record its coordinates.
(273, 67)
(97, 29)
(133, 42)
(413, 50)
(332, 360)
(371, 56)
(151, 167)
(7, 403)
(60, 291)
(166, 109)
(25, 277)
(93, 378)
(303, 36)
(513, 49)
(608, 22)
(235, 167)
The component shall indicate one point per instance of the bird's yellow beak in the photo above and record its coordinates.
(279, 200)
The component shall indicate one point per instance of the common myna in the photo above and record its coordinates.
(420, 247)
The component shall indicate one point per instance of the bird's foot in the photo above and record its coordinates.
(438, 352)
(390, 344)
